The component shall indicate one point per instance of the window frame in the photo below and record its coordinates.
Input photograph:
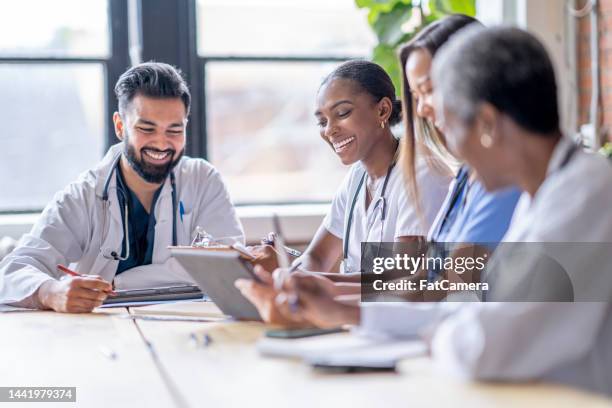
(112, 67)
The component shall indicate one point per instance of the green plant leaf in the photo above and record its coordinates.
(606, 150)
(370, 3)
(387, 17)
(381, 6)
(442, 7)
(388, 26)
(385, 56)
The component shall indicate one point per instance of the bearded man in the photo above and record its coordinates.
(115, 223)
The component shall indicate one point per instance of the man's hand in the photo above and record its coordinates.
(74, 294)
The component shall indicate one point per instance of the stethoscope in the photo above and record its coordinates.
(460, 183)
(381, 201)
(462, 179)
(109, 253)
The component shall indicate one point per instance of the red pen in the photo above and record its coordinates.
(73, 273)
(68, 271)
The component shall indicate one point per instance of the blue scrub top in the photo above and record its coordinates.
(478, 216)
(475, 216)
(141, 227)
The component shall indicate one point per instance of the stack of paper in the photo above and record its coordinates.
(343, 349)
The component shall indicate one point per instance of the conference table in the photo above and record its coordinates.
(140, 357)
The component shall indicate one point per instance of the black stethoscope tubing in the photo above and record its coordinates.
(354, 202)
(113, 255)
(462, 179)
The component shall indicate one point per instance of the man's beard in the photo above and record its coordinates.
(151, 173)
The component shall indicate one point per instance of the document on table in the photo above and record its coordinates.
(342, 349)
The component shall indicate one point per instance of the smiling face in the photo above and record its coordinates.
(418, 74)
(153, 130)
(348, 119)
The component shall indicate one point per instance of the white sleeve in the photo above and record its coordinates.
(516, 341)
(334, 220)
(401, 319)
(58, 237)
(215, 211)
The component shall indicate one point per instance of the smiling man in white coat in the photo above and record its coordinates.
(115, 223)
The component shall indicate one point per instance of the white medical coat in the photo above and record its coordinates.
(69, 231)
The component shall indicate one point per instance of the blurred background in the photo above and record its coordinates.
(254, 67)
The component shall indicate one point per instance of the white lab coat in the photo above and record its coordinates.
(69, 231)
(561, 342)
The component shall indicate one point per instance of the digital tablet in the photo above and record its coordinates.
(215, 273)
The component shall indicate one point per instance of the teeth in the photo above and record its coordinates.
(157, 156)
(341, 144)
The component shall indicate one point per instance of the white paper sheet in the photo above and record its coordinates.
(342, 349)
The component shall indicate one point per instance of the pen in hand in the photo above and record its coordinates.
(269, 240)
(292, 297)
(70, 272)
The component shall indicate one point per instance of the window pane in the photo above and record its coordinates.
(281, 27)
(262, 133)
(52, 129)
(62, 28)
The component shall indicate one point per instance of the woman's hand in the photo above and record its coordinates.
(265, 255)
(262, 295)
(310, 297)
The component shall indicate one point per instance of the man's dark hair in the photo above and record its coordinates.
(370, 78)
(152, 79)
(504, 66)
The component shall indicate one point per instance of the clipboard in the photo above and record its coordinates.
(244, 254)
(215, 269)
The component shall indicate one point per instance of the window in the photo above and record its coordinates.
(56, 61)
(53, 129)
(254, 67)
(60, 28)
(263, 61)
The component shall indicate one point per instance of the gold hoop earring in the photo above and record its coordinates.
(486, 140)
(382, 124)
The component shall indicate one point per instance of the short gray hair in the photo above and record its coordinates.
(504, 66)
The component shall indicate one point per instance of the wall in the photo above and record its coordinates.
(605, 63)
(551, 23)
